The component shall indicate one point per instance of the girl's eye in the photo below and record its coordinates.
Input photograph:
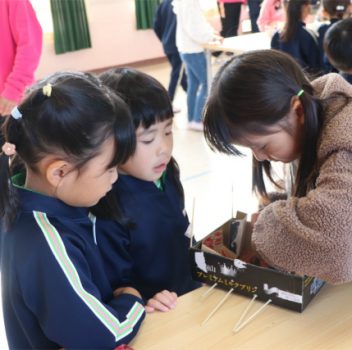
(169, 132)
(147, 142)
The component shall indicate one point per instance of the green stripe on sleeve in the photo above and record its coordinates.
(118, 329)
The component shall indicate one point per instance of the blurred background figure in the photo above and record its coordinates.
(297, 40)
(165, 29)
(254, 10)
(230, 14)
(193, 31)
(21, 45)
(338, 47)
(271, 16)
(333, 11)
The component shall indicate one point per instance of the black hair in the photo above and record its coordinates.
(73, 122)
(293, 18)
(336, 8)
(252, 92)
(338, 45)
(148, 100)
(146, 97)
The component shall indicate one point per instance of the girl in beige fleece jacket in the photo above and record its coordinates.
(263, 100)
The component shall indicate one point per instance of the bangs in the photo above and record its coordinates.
(218, 131)
(221, 133)
(123, 133)
(125, 144)
(147, 99)
(148, 114)
(117, 159)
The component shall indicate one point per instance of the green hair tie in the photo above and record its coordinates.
(300, 93)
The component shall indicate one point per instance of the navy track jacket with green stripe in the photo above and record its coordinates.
(54, 287)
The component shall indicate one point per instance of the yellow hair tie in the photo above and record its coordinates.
(47, 89)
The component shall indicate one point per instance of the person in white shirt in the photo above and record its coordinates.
(193, 30)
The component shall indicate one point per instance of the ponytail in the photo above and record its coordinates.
(293, 17)
(8, 194)
(8, 161)
(175, 172)
(68, 113)
(307, 171)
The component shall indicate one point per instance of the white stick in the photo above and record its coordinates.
(231, 217)
(244, 313)
(252, 317)
(209, 290)
(217, 307)
(192, 223)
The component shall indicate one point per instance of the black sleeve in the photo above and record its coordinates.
(158, 29)
(275, 41)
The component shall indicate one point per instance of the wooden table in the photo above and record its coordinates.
(237, 45)
(325, 324)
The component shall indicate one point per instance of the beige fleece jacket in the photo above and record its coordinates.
(312, 235)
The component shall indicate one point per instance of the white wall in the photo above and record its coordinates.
(115, 40)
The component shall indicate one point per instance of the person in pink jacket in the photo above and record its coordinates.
(21, 44)
(271, 15)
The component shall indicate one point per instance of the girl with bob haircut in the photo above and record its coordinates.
(338, 47)
(55, 291)
(150, 250)
(334, 11)
(264, 101)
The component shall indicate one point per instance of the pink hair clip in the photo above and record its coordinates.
(9, 149)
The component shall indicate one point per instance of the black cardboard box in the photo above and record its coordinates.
(287, 290)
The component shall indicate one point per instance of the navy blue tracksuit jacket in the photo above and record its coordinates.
(54, 287)
(153, 255)
(303, 47)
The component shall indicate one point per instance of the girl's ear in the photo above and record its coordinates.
(56, 171)
(297, 107)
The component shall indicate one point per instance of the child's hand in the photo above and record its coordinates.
(162, 301)
(126, 290)
(218, 38)
(6, 106)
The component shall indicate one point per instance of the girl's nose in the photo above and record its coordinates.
(163, 147)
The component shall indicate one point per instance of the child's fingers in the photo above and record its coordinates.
(149, 309)
(167, 298)
(162, 301)
(172, 296)
(157, 305)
